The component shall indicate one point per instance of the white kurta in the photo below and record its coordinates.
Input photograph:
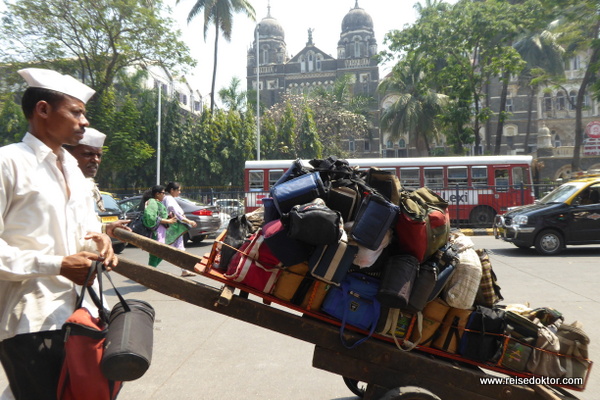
(39, 224)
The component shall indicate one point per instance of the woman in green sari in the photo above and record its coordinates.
(166, 228)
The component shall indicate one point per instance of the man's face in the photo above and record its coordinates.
(88, 158)
(66, 122)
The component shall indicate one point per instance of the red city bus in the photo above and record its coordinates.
(477, 187)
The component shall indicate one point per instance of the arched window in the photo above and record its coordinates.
(319, 58)
(573, 97)
(547, 102)
(356, 48)
(302, 64)
(265, 59)
(389, 144)
(556, 140)
(402, 143)
(560, 100)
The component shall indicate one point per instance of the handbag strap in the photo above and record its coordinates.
(98, 299)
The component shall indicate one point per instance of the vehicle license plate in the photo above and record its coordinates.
(110, 219)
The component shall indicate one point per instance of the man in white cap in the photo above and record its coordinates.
(49, 233)
(88, 154)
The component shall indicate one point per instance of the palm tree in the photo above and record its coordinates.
(543, 56)
(232, 97)
(415, 110)
(219, 13)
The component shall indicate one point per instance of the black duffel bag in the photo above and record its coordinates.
(314, 223)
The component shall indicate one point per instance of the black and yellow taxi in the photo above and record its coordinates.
(569, 215)
(112, 213)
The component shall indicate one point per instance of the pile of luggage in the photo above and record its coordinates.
(353, 244)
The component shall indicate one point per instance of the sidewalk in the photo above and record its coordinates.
(477, 231)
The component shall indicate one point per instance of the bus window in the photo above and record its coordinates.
(410, 178)
(434, 177)
(520, 176)
(274, 176)
(501, 182)
(479, 176)
(457, 176)
(256, 180)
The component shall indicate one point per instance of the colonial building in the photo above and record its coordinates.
(311, 67)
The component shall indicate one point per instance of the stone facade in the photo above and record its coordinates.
(311, 67)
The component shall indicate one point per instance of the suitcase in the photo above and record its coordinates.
(346, 200)
(452, 330)
(300, 190)
(483, 337)
(271, 213)
(399, 275)
(330, 263)
(386, 183)
(433, 316)
(423, 286)
(314, 223)
(375, 216)
(287, 250)
(254, 265)
(289, 281)
(354, 303)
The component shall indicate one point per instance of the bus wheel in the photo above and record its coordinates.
(482, 217)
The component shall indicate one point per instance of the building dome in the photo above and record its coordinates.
(270, 28)
(357, 19)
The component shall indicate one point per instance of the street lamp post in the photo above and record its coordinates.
(158, 135)
(257, 93)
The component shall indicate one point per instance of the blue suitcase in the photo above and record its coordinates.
(300, 190)
(375, 216)
(330, 263)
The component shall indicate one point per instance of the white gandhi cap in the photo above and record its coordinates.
(48, 79)
(93, 137)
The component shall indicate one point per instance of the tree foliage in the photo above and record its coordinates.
(93, 39)
(462, 47)
(333, 122)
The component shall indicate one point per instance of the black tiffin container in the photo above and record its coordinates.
(128, 345)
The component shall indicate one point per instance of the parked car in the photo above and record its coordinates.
(233, 207)
(207, 218)
(113, 213)
(569, 215)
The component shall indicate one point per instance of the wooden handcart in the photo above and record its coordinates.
(383, 370)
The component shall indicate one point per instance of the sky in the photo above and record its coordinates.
(296, 17)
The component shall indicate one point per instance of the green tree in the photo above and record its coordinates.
(285, 141)
(416, 107)
(308, 138)
(220, 14)
(232, 96)
(463, 47)
(579, 30)
(92, 39)
(543, 56)
(13, 124)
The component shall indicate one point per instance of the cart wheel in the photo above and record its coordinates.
(356, 387)
(409, 393)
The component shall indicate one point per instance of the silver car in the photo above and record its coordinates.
(233, 207)
(207, 218)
